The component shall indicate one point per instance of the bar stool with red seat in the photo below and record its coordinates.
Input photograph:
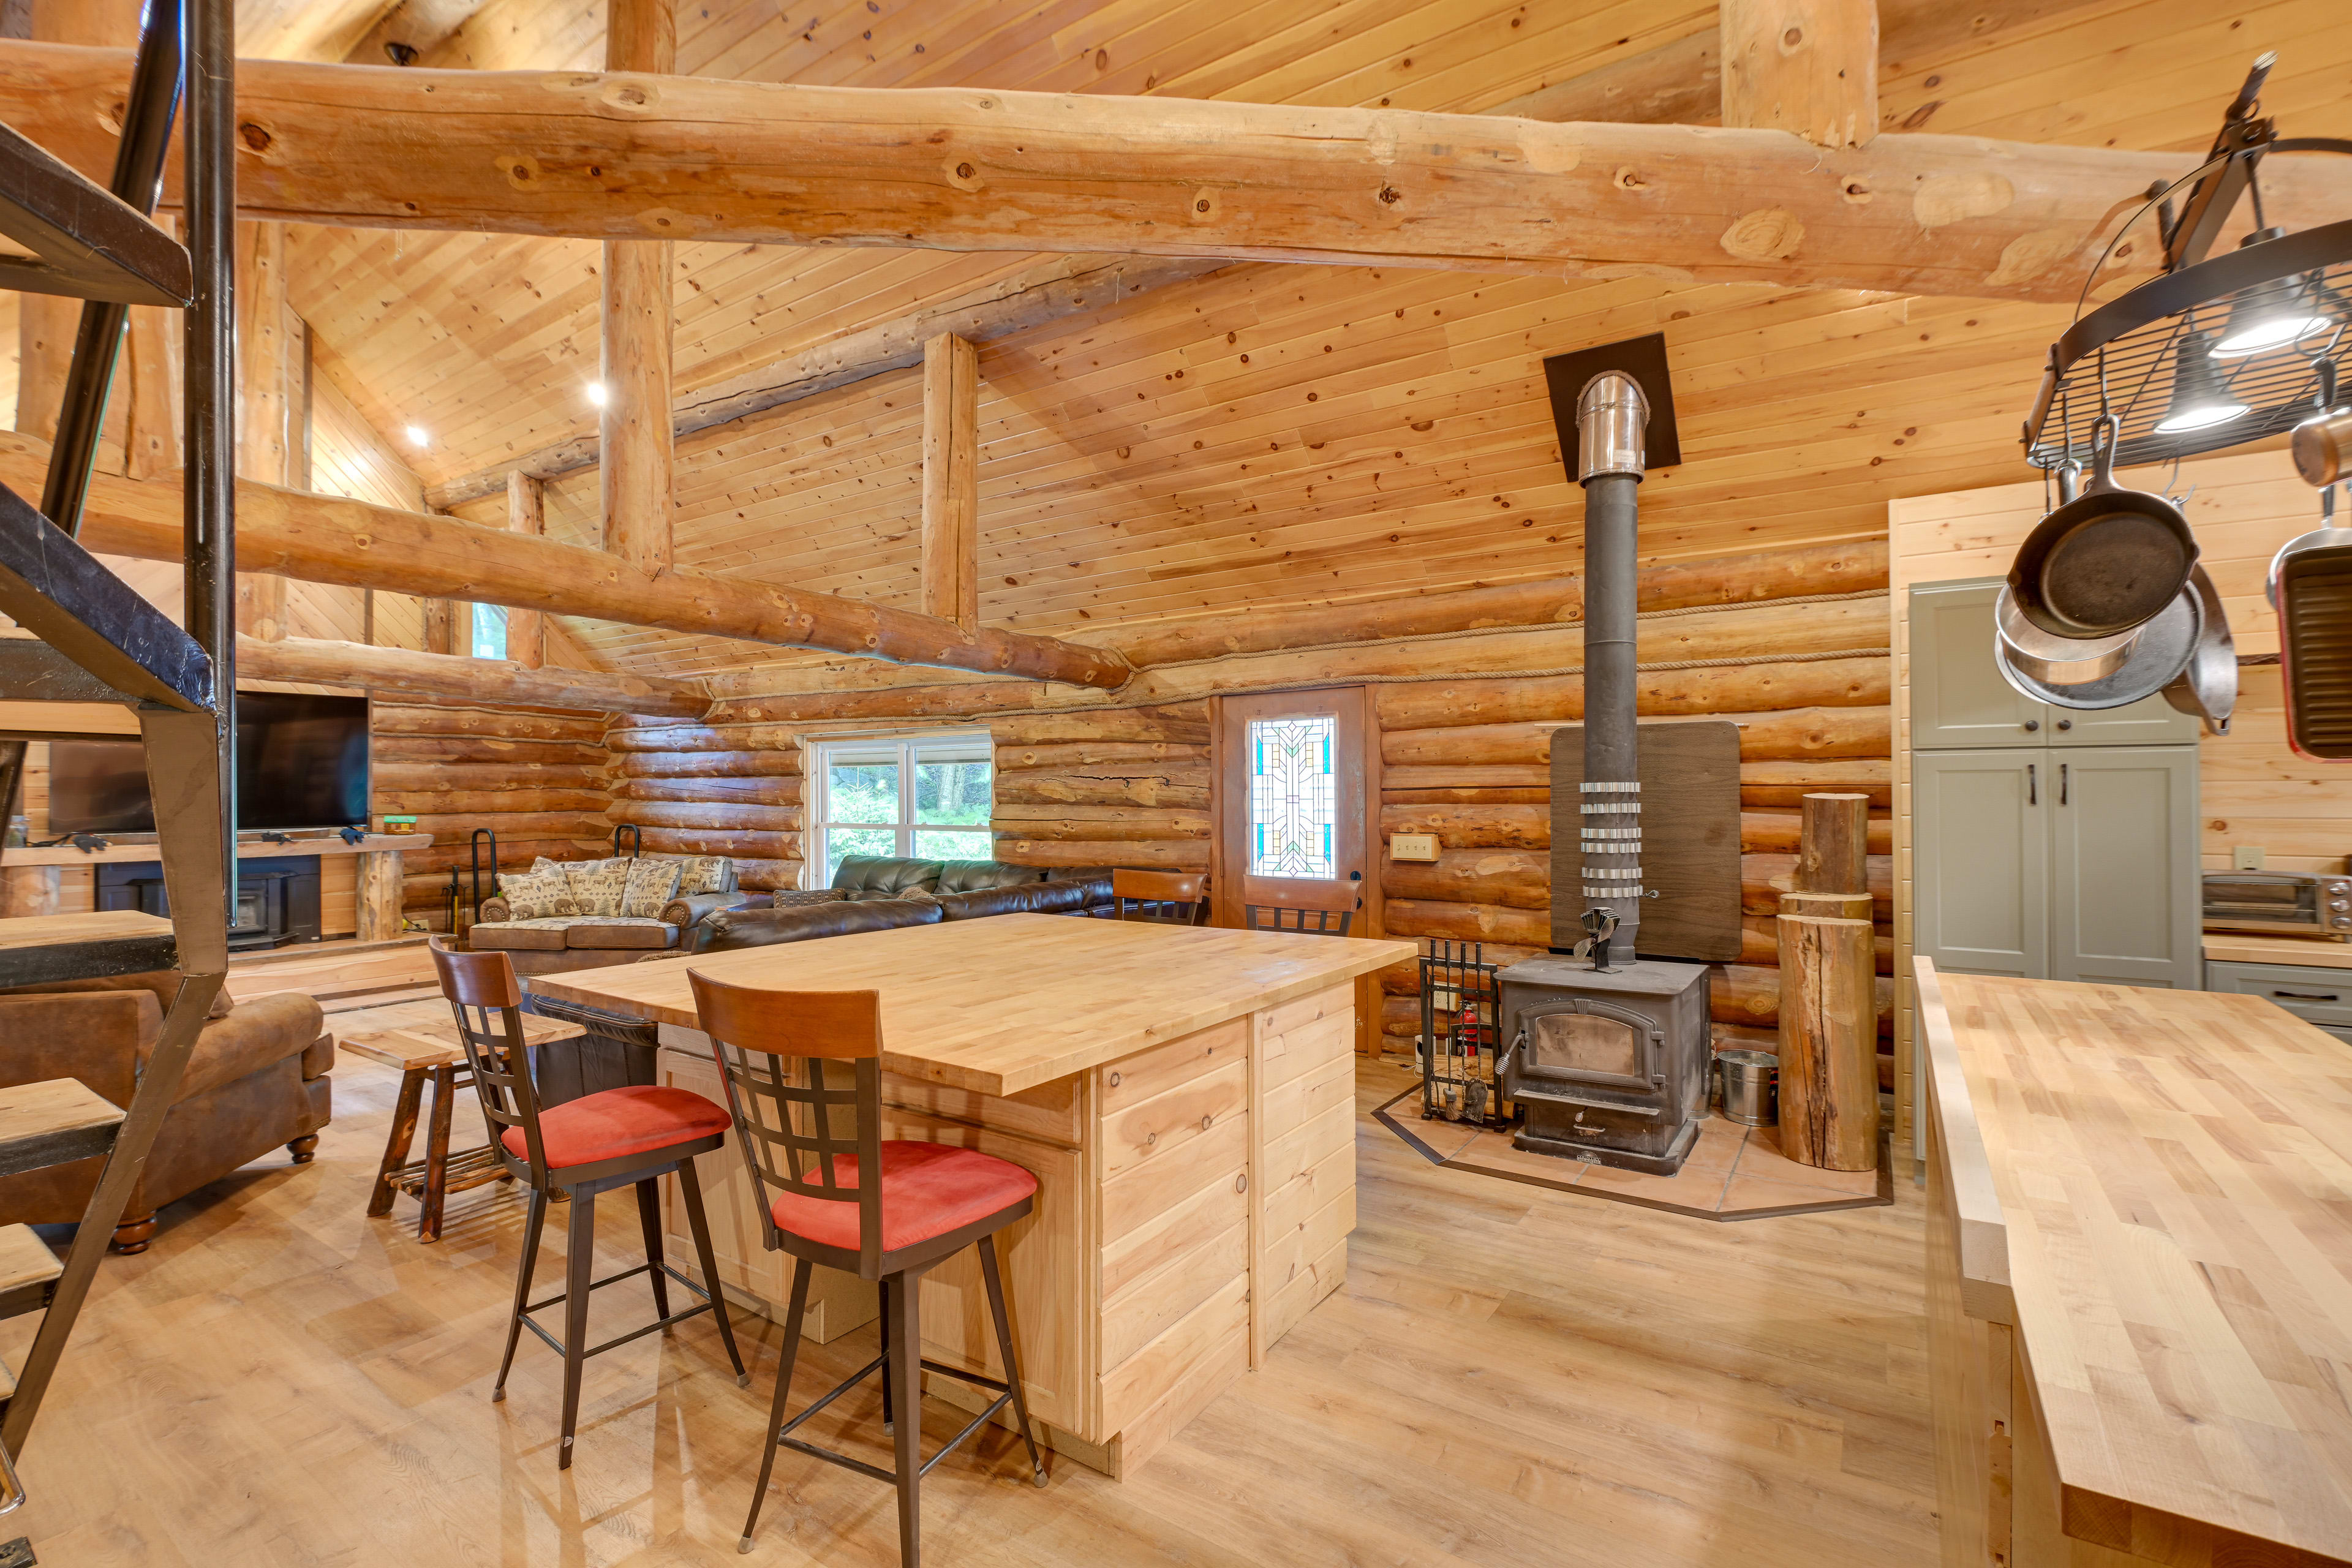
(616, 1138)
(932, 1201)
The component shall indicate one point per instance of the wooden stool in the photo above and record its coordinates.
(883, 1210)
(419, 1038)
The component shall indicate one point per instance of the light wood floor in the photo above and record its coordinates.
(1511, 1376)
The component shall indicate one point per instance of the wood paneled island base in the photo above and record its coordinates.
(1184, 1096)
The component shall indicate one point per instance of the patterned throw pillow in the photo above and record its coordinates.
(701, 874)
(794, 897)
(597, 885)
(651, 885)
(536, 895)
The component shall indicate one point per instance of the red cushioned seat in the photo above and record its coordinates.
(928, 1190)
(617, 1122)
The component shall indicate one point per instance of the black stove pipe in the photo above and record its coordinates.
(1611, 417)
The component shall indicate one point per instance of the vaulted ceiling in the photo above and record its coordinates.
(1265, 434)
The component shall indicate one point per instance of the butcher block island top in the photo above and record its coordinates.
(1003, 1004)
(2152, 1191)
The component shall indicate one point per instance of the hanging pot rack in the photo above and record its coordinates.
(2158, 358)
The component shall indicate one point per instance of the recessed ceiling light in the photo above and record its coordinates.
(597, 394)
(416, 436)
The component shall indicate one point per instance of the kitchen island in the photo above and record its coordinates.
(1185, 1097)
(2140, 1276)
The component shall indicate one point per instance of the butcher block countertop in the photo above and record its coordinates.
(2244, 947)
(2155, 1189)
(1006, 1003)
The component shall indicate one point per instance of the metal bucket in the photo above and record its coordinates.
(1750, 1092)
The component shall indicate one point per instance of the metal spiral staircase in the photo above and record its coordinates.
(93, 639)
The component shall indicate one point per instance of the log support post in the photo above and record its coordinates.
(265, 443)
(378, 909)
(635, 430)
(440, 625)
(1807, 66)
(951, 569)
(1829, 1010)
(526, 513)
(158, 387)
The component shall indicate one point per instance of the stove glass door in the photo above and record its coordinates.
(1585, 1041)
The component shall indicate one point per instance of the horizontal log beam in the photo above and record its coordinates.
(333, 539)
(602, 156)
(398, 719)
(1052, 291)
(325, 663)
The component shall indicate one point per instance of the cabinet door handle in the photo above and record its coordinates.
(2032, 790)
(2062, 783)
(2306, 995)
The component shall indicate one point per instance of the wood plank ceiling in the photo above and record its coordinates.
(1264, 435)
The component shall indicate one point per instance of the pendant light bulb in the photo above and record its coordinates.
(2274, 316)
(2199, 399)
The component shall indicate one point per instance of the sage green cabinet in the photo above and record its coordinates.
(2126, 890)
(1980, 861)
(2050, 863)
(1958, 698)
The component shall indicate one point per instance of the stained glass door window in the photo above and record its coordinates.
(1294, 801)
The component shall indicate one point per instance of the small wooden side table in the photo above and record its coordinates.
(420, 1038)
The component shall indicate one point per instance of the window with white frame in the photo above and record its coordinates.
(925, 797)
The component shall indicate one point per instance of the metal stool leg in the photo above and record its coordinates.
(530, 1233)
(987, 1271)
(905, 1327)
(801, 1270)
(580, 1240)
(650, 1217)
(689, 1193)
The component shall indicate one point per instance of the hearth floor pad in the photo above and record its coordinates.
(1735, 1172)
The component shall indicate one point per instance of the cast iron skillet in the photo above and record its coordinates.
(2107, 560)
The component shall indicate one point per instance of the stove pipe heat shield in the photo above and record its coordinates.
(1612, 418)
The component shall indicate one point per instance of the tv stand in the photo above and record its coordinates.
(32, 880)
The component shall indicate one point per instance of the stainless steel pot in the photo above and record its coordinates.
(2057, 661)
(2158, 655)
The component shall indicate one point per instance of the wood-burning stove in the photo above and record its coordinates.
(1606, 1065)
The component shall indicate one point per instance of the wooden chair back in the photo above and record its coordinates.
(1169, 898)
(1309, 922)
(481, 987)
(752, 1033)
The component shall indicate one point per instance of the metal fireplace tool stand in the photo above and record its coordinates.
(1458, 1014)
(96, 640)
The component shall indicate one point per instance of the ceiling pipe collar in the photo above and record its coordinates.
(1611, 417)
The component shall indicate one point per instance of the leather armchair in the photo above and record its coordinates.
(259, 1079)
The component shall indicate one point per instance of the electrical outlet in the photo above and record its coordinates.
(2246, 857)
(1412, 846)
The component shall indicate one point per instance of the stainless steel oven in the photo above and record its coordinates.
(2282, 903)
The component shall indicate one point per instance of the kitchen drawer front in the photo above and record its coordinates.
(2322, 996)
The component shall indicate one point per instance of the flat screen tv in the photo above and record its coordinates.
(301, 762)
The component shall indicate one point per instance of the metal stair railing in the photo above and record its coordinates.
(99, 641)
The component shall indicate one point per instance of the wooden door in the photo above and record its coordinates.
(1957, 696)
(2125, 888)
(1980, 860)
(1294, 777)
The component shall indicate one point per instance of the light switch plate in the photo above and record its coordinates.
(1412, 846)
(2246, 857)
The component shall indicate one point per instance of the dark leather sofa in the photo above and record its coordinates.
(882, 893)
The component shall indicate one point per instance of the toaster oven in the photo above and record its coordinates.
(2282, 903)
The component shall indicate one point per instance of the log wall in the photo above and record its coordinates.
(705, 789)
